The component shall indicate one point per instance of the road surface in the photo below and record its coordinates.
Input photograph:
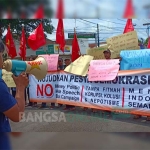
(79, 121)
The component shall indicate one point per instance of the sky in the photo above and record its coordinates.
(106, 13)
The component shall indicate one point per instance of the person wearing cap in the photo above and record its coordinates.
(107, 54)
(10, 107)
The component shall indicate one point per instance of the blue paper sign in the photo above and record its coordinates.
(135, 59)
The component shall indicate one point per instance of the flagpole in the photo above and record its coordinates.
(45, 45)
(21, 39)
(77, 38)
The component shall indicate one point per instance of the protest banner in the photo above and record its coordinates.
(97, 52)
(52, 61)
(127, 92)
(7, 77)
(103, 70)
(80, 66)
(135, 59)
(127, 41)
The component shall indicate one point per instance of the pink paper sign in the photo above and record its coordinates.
(52, 61)
(103, 70)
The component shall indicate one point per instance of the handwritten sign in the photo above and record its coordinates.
(52, 61)
(79, 66)
(135, 59)
(7, 77)
(127, 41)
(97, 52)
(103, 70)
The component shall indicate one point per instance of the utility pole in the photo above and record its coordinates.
(147, 24)
(98, 35)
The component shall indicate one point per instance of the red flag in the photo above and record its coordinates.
(129, 26)
(60, 10)
(75, 48)
(60, 37)
(129, 10)
(22, 48)
(37, 38)
(39, 14)
(148, 45)
(10, 44)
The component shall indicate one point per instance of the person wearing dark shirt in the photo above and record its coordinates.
(5, 141)
(13, 90)
(60, 64)
(10, 107)
(67, 62)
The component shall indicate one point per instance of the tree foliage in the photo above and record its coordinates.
(29, 7)
(29, 26)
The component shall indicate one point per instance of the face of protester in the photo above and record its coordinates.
(30, 59)
(107, 55)
(60, 63)
(67, 62)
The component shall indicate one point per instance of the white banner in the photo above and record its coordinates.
(125, 92)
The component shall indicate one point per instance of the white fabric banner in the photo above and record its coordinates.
(125, 92)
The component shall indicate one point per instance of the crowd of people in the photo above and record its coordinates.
(61, 66)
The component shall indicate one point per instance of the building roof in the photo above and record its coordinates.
(68, 41)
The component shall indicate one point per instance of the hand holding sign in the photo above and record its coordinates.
(103, 70)
(125, 41)
(80, 66)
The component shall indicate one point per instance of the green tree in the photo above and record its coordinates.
(29, 25)
(146, 42)
(28, 7)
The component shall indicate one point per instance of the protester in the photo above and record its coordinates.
(60, 64)
(10, 107)
(43, 105)
(60, 67)
(67, 62)
(28, 93)
(13, 90)
(107, 54)
(139, 116)
(68, 107)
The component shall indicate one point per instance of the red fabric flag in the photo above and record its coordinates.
(22, 48)
(148, 45)
(37, 38)
(129, 10)
(60, 37)
(75, 48)
(60, 10)
(11, 49)
(39, 14)
(129, 26)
